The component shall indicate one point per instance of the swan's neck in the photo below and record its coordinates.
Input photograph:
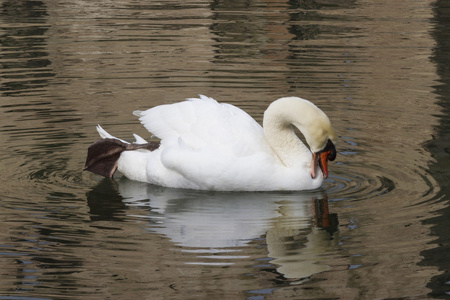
(285, 143)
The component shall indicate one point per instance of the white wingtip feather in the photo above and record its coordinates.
(139, 140)
(102, 132)
(105, 135)
(137, 113)
(202, 97)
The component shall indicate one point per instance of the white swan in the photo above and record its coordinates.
(208, 145)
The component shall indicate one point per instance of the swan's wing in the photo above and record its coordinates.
(204, 122)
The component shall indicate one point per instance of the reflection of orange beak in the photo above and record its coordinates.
(321, 159)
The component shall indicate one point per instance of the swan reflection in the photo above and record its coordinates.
(297, 227)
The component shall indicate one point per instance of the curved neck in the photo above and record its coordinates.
(284, 142)
(308, 118)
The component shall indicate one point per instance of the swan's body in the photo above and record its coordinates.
(211, 146)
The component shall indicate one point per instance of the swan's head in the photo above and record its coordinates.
(320, 159)
(313, 123)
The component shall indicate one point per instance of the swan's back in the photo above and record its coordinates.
(203, 122)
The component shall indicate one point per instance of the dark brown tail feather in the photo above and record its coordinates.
(104, 154)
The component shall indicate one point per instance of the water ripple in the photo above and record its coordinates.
(358, 185)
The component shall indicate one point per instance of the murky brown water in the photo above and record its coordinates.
(379, 227)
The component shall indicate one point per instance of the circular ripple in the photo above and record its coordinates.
(54, 180)
(357, 185)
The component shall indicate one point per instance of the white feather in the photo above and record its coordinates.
(105, 135)
(139, 140)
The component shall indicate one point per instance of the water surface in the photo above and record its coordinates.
(378, 228)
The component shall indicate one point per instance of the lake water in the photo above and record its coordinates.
(379, 227)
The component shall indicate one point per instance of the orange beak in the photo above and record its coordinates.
(321, 159)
